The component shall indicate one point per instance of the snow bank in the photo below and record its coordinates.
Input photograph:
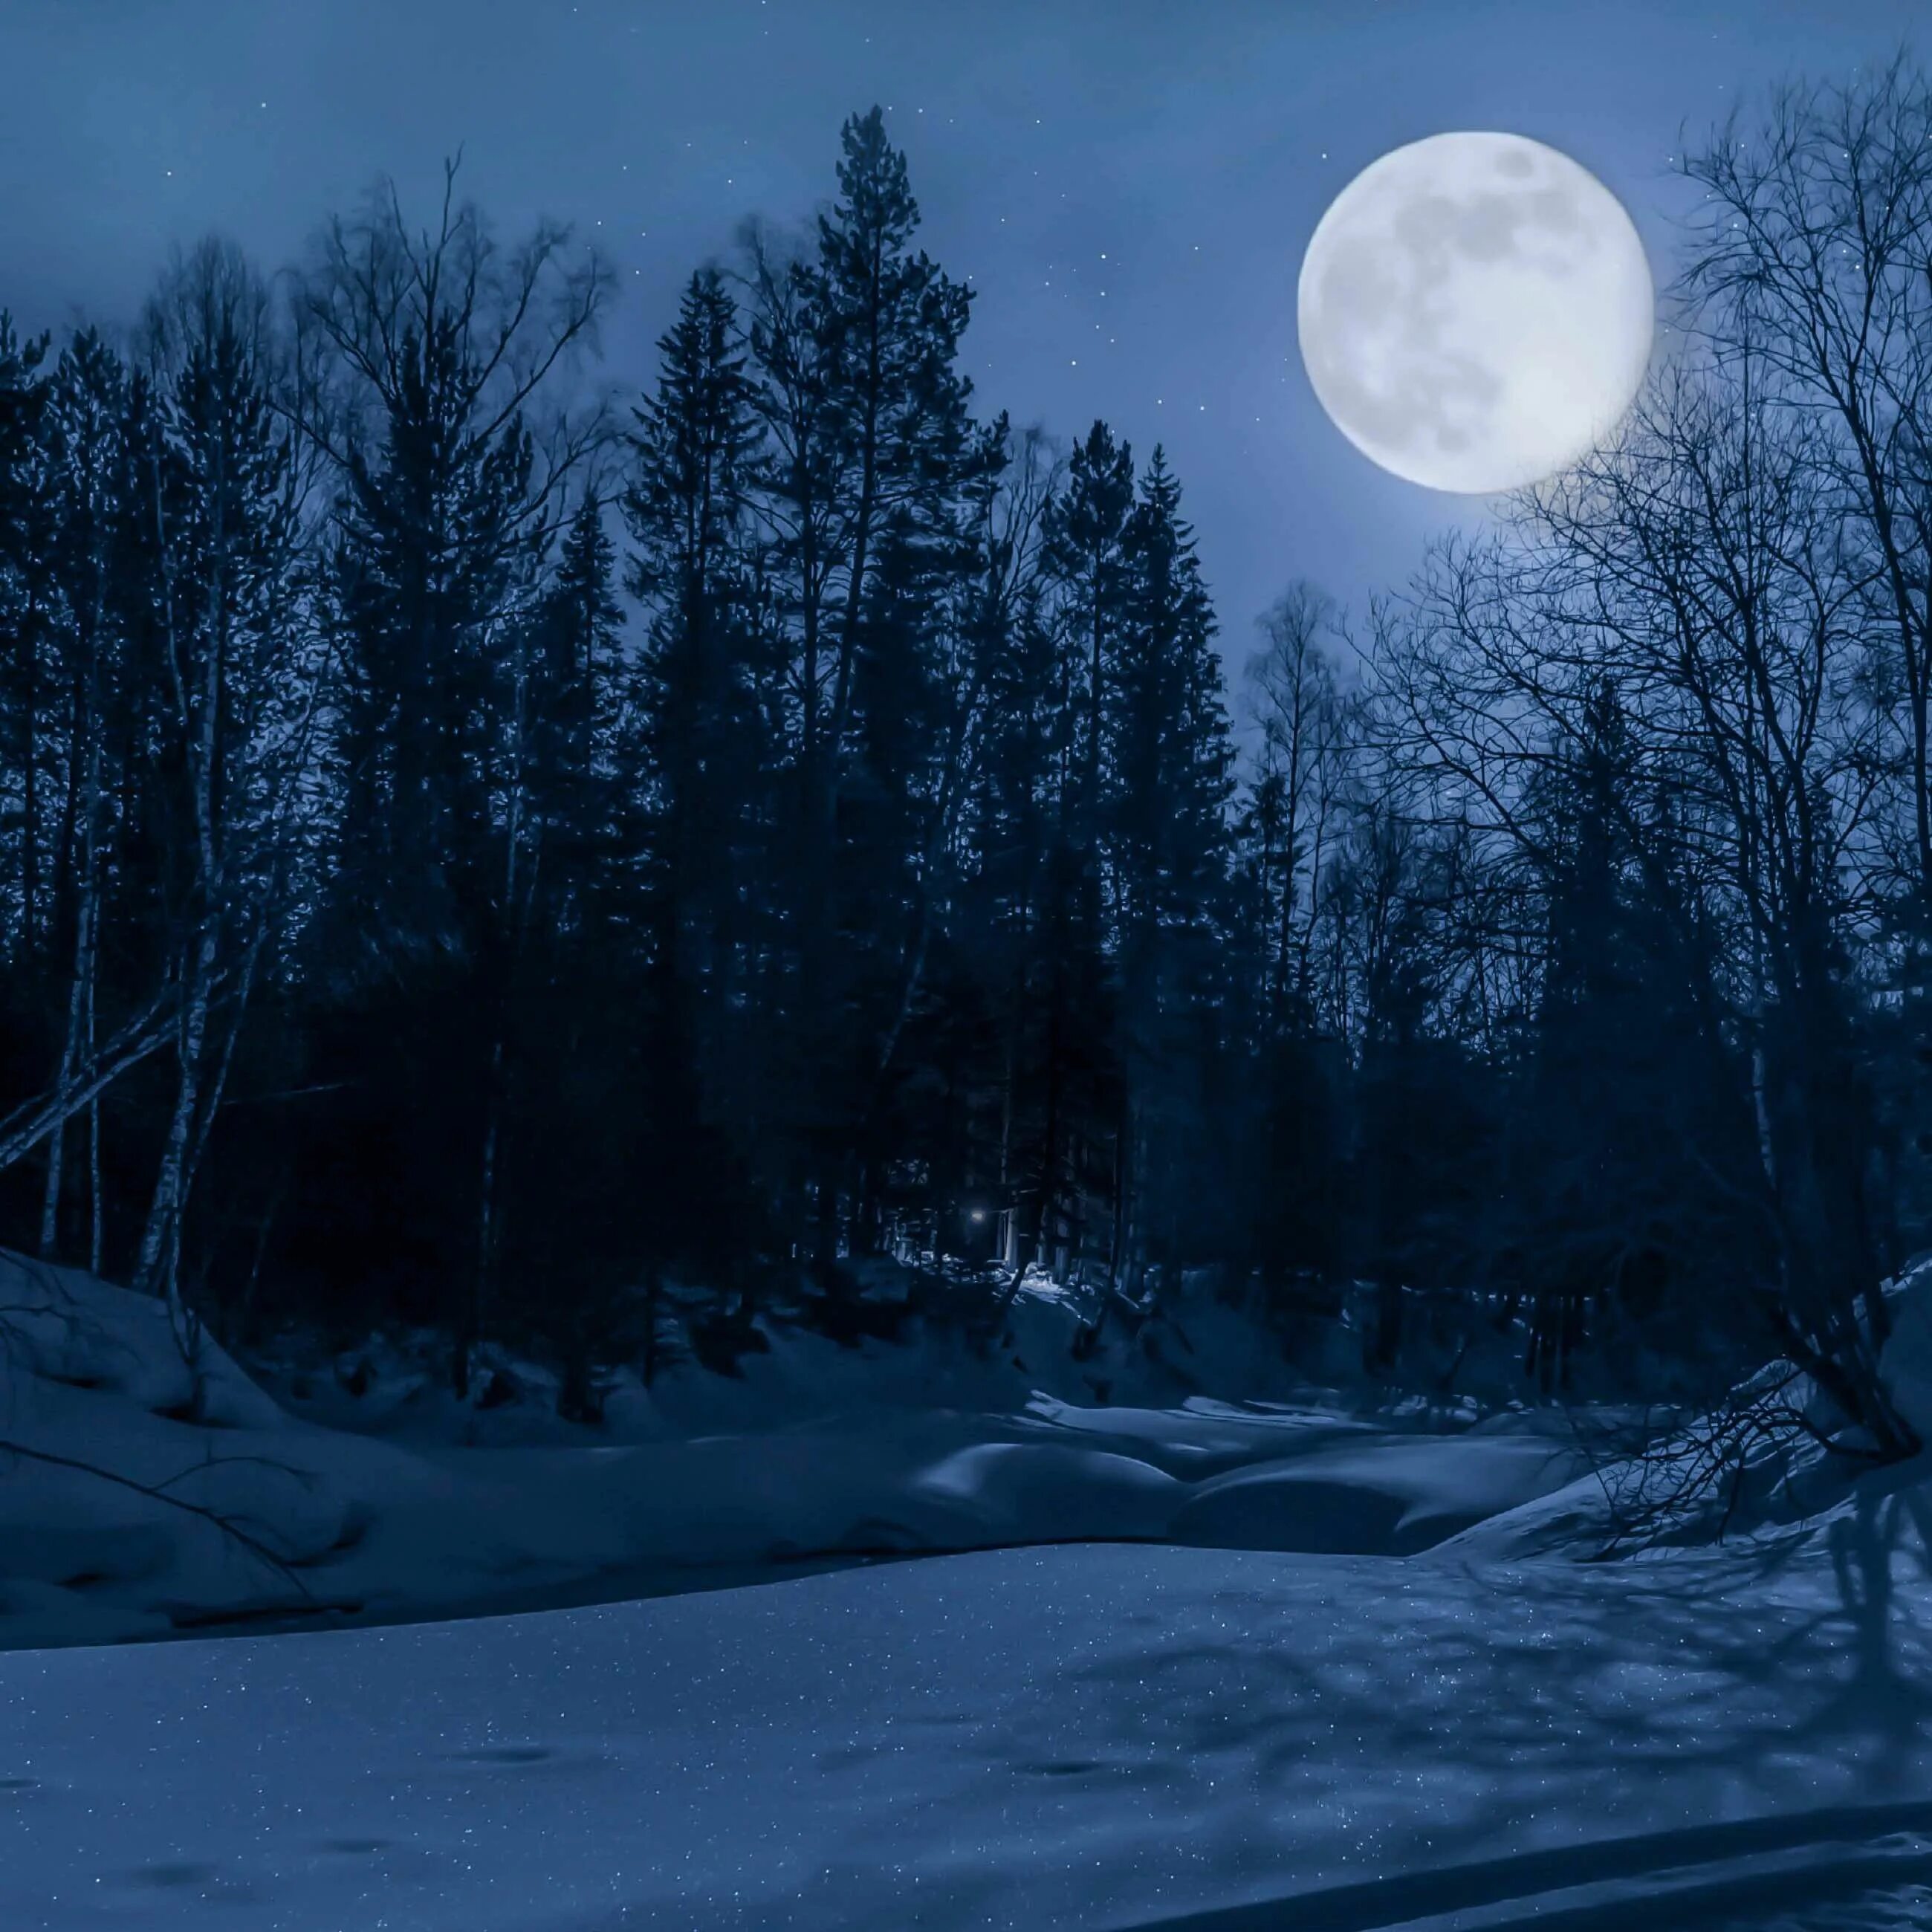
(1376, 1498)
(396, 1385)
(1905, 1365)
(147, 1489)
(59, 1329)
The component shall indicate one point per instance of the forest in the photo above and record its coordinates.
(484, 851)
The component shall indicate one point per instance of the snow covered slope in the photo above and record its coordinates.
(146, 1489)
(1096, 1737)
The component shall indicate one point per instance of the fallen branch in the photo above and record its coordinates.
(31, 1122)
(161, 1493)
(1693, 1479)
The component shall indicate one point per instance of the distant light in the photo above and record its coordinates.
(979, 1214)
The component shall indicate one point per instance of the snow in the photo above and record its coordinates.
(114, 1472)
(1095, 1736)
(1383, 1497)
(1906, 1364)
(1190, 1660)
(396, 1385)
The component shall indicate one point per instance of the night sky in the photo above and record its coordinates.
(1129, 184)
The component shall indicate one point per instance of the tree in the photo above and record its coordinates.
(1167, 840)
(1086, 560)
(1296, 701)
(700, 733)
(1810, 258)
(854, 347)
(220, 483)
(570, 707)
(1290, 834)
(1810, 262)
(1695, 566)
(434, 353)
(1087, 538)
(706, 756)
(25, 592)
(1608, 1219)
(92, 409)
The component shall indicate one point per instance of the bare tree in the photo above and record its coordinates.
(1812, 257)
(1295, 698)
(89, 421)
(225, 490)
(1698, 568)
(438, 363)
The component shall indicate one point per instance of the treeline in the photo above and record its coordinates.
(585, 875)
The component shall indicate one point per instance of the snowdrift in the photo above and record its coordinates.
(147, 1487)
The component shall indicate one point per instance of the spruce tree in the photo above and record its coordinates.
(704, 760)
(436, 349)
(1165, 815)
(855, 346)
(1079, 1167)
(571, 706)
(1087, 535)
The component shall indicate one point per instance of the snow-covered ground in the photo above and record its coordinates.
(1313, 1684)
(142, 1493)
(1077, 1737)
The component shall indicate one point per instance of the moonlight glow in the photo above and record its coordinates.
(1475, 311)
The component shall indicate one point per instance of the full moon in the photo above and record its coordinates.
(1475, 311)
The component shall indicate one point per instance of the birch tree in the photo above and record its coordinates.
(220, 479)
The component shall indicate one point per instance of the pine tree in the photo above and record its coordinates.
(439, 346)
(705, 768)
(1079, 1168)
(1617, 1111)
(855, 347)
(577, 1094)
(571, 706)
(890, 322)
(700, 733)
(432, 569)
(1168, 839)
(1015, 818)
(1302, 720)
(1087, 538)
